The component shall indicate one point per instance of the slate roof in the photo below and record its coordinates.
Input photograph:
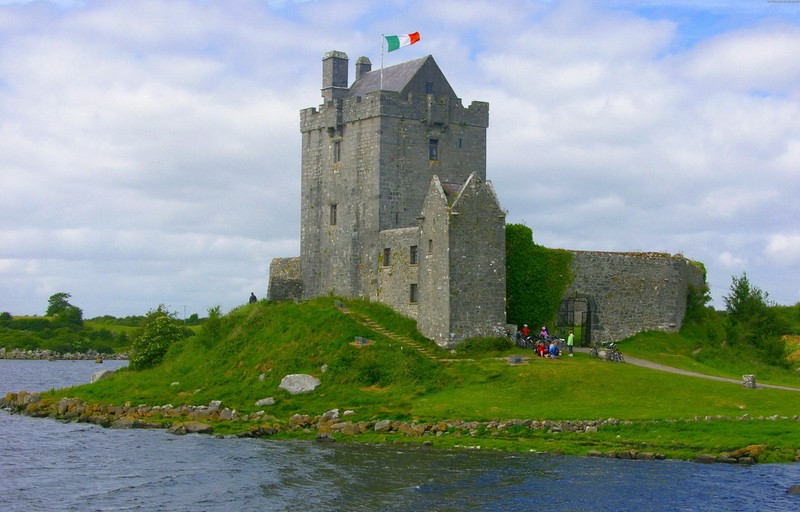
(395, 78)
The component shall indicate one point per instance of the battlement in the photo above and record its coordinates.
(440, 110)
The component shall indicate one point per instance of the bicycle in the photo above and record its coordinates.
(608, 353)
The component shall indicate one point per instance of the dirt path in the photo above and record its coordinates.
(664, 368)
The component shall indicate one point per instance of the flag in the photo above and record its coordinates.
(395, 42)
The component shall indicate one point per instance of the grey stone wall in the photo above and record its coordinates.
(433, 320)
(633, 292)
(396, 276)
(285, 279)
(477, 259)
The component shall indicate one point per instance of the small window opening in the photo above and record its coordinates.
(430, 246)
(413, 293)
(337, 151)
(387, 257)
(413, 255)
(433, 149)
(333, 215)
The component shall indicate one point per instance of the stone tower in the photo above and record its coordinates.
(395, 203)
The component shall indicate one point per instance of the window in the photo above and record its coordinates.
(428, 87)
(333, 215)
(433, 149)
(387, 257)
(413, 293)
(337, 151)
(430, 246)
(413, 255)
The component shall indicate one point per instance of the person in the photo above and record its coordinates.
(541, 350)
(526, 331)
(570, 342)
(253, 298)
(553, 352)
(544, 334)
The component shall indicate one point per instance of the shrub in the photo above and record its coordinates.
(160, 330)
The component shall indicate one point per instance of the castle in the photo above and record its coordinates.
(396, 208)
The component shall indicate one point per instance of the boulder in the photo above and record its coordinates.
(383, 426)
(332, 415)
(749, 381)
(265, 401)
(102, 374)
(298, 383)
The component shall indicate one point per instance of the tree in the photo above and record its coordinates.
(62, 311)
(160, 330)
(751, 321)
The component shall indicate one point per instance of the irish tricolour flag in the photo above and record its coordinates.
(395, 42)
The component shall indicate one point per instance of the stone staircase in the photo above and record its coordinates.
(426, 351)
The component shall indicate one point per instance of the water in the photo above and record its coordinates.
(46, 465)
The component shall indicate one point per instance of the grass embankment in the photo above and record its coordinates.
(244, 358)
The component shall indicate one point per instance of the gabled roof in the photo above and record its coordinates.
(396, 78)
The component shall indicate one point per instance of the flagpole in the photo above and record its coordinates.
(382, 40)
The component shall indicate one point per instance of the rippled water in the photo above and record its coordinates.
(48, 465)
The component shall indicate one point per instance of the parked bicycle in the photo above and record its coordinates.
(608, 352)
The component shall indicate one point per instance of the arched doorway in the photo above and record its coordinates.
(577, 313)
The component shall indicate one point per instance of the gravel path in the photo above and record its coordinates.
(664, 368)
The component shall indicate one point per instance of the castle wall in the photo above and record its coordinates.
(339, 254)
(285, 279)
(477, 264)
(433, 315)
(633, 292)
(396, 276)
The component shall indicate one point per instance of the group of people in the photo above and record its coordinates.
(547, 346)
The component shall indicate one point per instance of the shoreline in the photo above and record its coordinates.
(507, 435)
(50, 355)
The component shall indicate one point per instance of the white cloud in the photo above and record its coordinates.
(784, 249)
(149, 151)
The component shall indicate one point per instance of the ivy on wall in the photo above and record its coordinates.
(536, 278)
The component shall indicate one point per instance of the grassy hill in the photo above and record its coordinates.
(242, 358)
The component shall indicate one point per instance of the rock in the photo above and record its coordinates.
(348, 413)
(102, 374)
(196, 427)
(794, 489)
(749, 381)
(332, 415)
(265, 401)
(214, 405)
(298, 383)
(383, 426)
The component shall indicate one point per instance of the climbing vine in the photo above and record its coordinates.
(536, 278)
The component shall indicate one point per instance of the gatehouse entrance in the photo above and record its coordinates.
(577, 314)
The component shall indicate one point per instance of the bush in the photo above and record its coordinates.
(160, 330)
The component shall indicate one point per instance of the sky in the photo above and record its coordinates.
(150, 150)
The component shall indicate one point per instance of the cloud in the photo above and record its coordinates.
(150, 151)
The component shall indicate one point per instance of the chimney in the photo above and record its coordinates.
(363, 65)
(334, 75)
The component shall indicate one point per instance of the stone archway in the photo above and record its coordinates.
(579, 314)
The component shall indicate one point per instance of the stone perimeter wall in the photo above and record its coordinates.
(633, 292)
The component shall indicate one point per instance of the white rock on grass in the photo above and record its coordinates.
(297, 383)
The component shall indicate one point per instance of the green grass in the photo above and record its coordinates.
(681, 351)
(258, 344)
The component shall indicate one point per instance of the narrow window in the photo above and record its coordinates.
(459, 143)
(333, 215)
(413, 255)
(387, 257)
(337, 151)
(413, 292)
(433, 149)
(430, 246)
(428, 87)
